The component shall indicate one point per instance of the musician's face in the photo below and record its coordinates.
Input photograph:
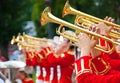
(63, 46)
(64, 43)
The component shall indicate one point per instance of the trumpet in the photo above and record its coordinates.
(13, 40)
(27, 42)
(48, 17)
(17, 39)
(24, 45)
(36, 41)
(84, 20)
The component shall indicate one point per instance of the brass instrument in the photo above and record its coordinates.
(41, 42)
(24, 45)
(13, 40)
(17, 39)
(29, 42)
(48, 17)
(84, 20)
(34, 41)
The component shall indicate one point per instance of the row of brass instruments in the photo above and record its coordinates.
(82, 23)
(29, 43)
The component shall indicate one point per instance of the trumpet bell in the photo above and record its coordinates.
(13, 40)
(44, 19)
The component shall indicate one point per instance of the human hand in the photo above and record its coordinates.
(86, 44)
(109, 19)
(117, 48)
(104, 29)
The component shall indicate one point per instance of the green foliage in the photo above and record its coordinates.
(13, 14)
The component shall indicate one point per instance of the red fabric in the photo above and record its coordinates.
(54, 80)
(114, 55)
(65, 63)
(40, 77)
(101, 64)
(30, 61)
(27, 80)
(46, 65)
(86, 63)
(92, 78)
(36, 61)
(111, 77)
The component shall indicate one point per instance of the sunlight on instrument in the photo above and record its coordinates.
(36, 41)
(28, 42)
(33, 40)
(17, 39)
(48, 17)
(69, 10)
(84, 20)
(80, 21)
(13, 40)
(24, 45)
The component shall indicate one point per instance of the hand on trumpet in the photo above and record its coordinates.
(86, 44)
(104, 29)
(95, 52)
(110, 19)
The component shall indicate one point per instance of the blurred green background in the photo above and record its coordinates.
(15, 13)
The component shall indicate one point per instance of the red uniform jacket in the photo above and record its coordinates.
(27, 80)
(35, 59)
(48, 66)
(113, 58)
(65, 61)
(85, 73)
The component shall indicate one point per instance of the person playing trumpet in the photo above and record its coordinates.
(94, 66)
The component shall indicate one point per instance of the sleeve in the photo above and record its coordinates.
(82, 65)
(100, 64)
(92, 78)
(84, 73)
(50, 56)
(52, 59)
(39, 57)
(64, 60)
(115, 64)
(115, 55)
(47, 51)
(29, 80)
(109, 46)
(31, 59)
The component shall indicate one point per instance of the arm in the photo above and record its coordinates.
(84, 74)
(61, 60)
(30, 59)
